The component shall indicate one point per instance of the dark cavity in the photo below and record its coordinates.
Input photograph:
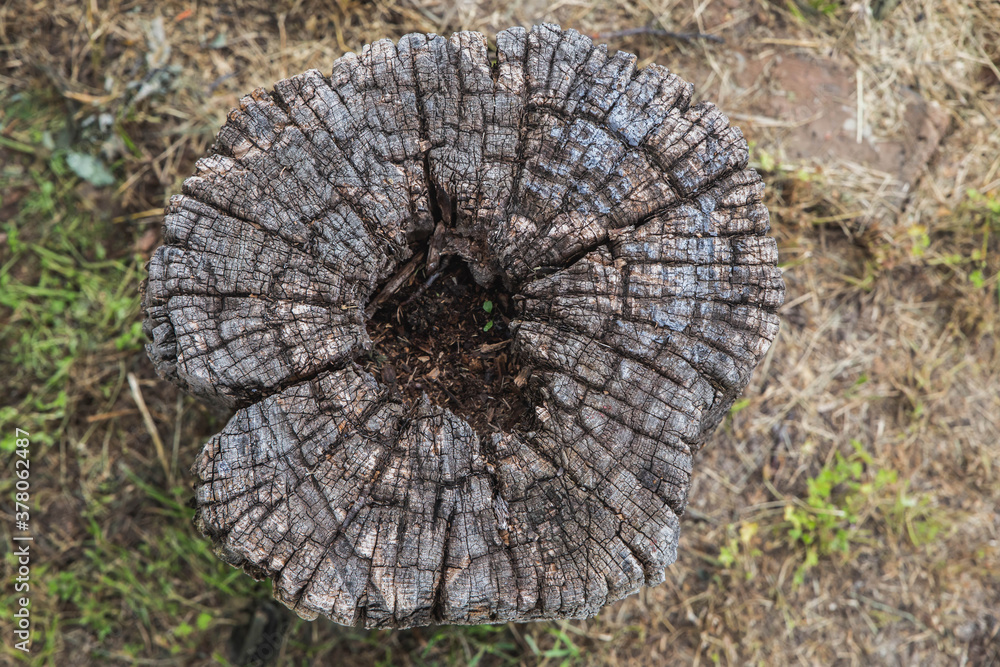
(447, 336)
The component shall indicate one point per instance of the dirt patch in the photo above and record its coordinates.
(814, 104)
(446, 336)
(810, 112)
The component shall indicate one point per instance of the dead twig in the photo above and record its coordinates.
(179, 408)
(147, 418)
(108, 415)
(445, 389)
(492, 347)
(427, 283)
(395, 284)
(657, 32)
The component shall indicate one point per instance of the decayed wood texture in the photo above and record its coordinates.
(631, 235)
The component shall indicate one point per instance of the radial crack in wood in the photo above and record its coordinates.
(391, 464)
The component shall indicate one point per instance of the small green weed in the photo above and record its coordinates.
(564, 648)
(847, 494)
(739, 405)
(920, 240)
(762, 160)
(824, 7)
(985, 211)
(488, 307)
(969, 250)
(738, 554)
(987, 204)
(471, 644)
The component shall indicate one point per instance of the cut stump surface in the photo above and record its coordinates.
(617, 223)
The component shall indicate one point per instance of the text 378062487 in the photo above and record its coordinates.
(22, 540)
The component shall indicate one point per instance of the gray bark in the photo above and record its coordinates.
(627, 229)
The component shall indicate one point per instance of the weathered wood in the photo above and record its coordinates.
(632, 238)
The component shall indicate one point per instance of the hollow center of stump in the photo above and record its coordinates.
(450, 339)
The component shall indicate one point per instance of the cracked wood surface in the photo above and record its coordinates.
(632, 237)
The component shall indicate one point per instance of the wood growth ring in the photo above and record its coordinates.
(621, 241)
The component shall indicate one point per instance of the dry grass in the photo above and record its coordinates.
(889, 336)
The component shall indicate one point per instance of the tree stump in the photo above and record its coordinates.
(625, 242)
